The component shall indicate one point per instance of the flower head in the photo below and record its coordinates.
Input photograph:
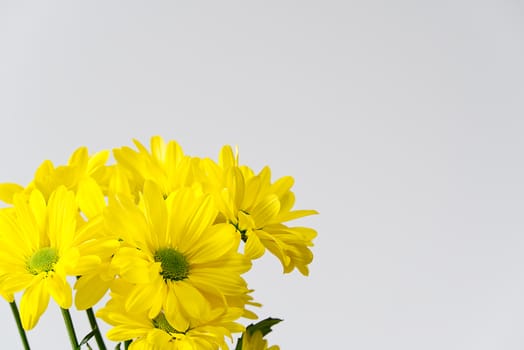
(166, 164)
(258, 209)
(157, 332)
(80, 167)
(177, 259)
(41, 244)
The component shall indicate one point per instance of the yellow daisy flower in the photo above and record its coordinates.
(166, 165)
(40, 245)
(258, 209)
(155, 333)
(80, 167)
(89, 178)
(47, 178)
(179, 261)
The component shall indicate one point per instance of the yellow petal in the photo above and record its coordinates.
(62, 211)
(143, 297)
(282, 185)
(59, 290)
(201, 218)
(90, 198)
(122, 333)
(79, 157)
(265, 210)
(89, 290)
(134, 266)
(8, 190)
(156, 213)
(12, 237)
(287, 200)
(26, 221)
(194, 305)
(86, 264)
(226, 158)
(17, 282)
(292, 215)
(140, 146)
(174, 155)
(245, 221)
(172, 309)
(39, 209)
(158, 339)
(253, 248)
(252, 192)
(158, 147)
(216, 242)
(274, 246)
(33, 304)
(97, 160)
(126, 221)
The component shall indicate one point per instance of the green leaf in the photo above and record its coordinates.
(263, 326)
(86, 339)
(117, 347)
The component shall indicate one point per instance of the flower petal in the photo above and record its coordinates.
(33, 304)
(59, 290)
(8, 190)
(90, 198)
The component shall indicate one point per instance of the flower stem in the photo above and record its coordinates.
(70, 328)
(127, 343)
(94, 327)
(21, 330)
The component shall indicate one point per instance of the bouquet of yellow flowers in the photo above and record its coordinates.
(166, 235)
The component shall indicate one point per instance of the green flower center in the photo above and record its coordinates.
(160, 322)
(42, 261)
(174, 264)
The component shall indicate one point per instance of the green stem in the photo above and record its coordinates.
(21, 330)
(127, 343)
(94, 327)
(70, 328)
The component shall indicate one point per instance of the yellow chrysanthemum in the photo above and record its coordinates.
(258, 209)
(255, 341)
(47, 178)
(179, 261)
(166, 165)
(40, 244)
(90, 179)
(80, 167)
(155, 333)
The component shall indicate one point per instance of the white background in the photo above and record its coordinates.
(401, 121)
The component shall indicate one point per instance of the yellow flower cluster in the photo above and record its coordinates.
(168, 235)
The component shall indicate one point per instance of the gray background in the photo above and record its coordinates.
(401, 122)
